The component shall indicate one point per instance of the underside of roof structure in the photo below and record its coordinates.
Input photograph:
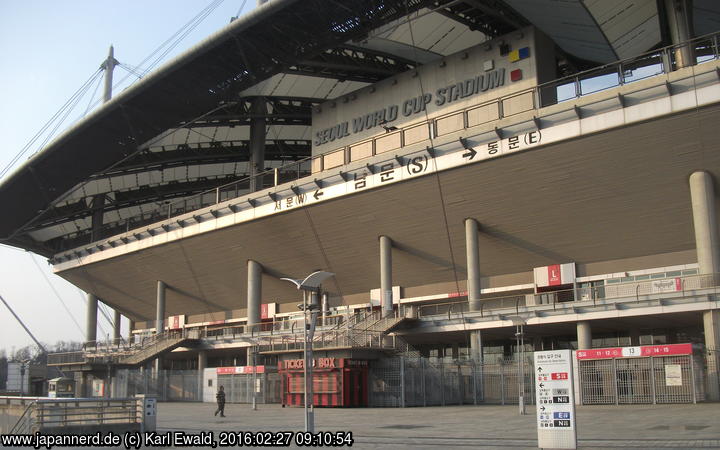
(186, 128)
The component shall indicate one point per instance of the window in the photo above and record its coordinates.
(210, 382)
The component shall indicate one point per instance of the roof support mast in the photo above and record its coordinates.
(109, 66)
(40, 346)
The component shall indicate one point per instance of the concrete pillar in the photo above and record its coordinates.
(711, 325)
(254, 298)
(472, 253)
(83, 389)
(131, 327)
(679, 19)
(258, 111)
(584, 335)
(202, 364)
(116, 328)
(473, 264)
(160, 310)
(702, 195)
(325, 306)
(91, 319)
(476, 347)
(254, 293)
(386, 299)
(160, 321)
(98, 211)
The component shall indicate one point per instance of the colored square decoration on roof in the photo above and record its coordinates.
(516, 75)
(517, 55)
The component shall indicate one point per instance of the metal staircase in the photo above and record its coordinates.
(150, 348)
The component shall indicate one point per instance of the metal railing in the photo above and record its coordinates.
(636, 290)
(57, 413)
(367, 328)
(588, 82)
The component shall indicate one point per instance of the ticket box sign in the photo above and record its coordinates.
(555, 399)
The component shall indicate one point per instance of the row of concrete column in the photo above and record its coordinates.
(707, 243)
(708, 254)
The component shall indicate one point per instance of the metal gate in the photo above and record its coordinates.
(239, 387)
(649, 380)
(397, 382)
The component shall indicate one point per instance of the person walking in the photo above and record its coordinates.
(220, 397)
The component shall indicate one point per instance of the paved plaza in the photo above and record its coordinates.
(501, 427)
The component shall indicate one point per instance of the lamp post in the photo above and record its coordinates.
(311, 283)
(254, 379)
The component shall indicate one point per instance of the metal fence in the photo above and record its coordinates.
(400, 382)
(239, 387)
(651, 380)
(634, 291)
(44, 414)
(166, 386)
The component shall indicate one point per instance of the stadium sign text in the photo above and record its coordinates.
(412, 106)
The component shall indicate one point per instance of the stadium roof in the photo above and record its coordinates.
(185, 128)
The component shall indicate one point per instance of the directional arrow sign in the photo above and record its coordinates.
(539, 369)
(471, 152)
(542, 385)
(542, 408)
(318, 194)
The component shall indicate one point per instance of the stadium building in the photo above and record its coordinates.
(483, 178)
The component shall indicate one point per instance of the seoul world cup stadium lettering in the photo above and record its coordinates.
(442, 96)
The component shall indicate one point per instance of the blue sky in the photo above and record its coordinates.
(48, 49)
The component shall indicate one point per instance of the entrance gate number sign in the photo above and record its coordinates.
(555, 399)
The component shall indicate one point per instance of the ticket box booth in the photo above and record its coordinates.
(339, 382)
(61, 388)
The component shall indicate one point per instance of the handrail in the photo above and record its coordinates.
(62, 412)
(25, 421)
(359, 329)
(165, 211)
(627, 289)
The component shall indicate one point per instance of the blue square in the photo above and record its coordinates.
(524, 52)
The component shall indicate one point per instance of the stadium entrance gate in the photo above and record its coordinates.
(639, 375)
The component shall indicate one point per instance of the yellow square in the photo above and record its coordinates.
(514, 56)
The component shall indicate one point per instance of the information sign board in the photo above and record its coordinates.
(555, 402)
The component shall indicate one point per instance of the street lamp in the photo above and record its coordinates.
(311, 283)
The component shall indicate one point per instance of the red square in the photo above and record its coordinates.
(516, 75)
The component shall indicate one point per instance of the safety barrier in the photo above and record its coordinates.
(621, 381)
(53, 415)
(422, 381)
(681, 286)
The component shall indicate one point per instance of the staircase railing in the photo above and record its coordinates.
(26, 422)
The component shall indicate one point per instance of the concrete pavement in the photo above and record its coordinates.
(501, 427)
